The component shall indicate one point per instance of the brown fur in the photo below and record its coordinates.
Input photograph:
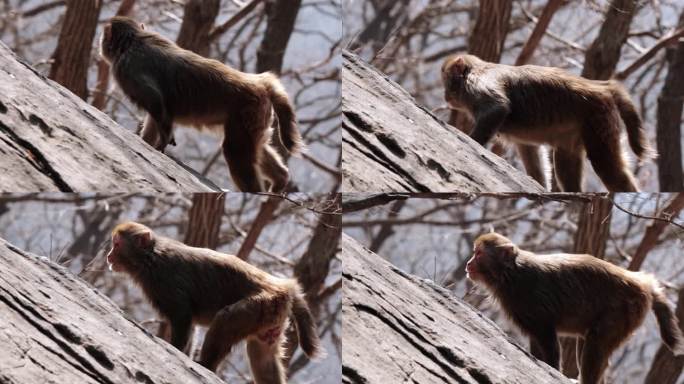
(176, 85)
(235, 299)
(571, 294)
(531, 105)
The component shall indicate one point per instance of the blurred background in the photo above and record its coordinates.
(431, 235)
(297, 39)
(634, 41)
(296, 236)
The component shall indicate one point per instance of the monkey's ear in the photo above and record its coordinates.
(142, 26)
(509, 249)
(458, 68)
(144, 240)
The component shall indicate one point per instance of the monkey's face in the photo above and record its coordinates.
(115, 257)
(454, 74)
(477, 263)
(105, 43)
(117, 36)
(127, 251)
(489, 262)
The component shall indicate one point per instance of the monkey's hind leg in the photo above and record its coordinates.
(273, 169)
(241, 150)
(602, 142)
(568, 168)
(533, 162)
(229, 326)
(265, 360)
(599, 343)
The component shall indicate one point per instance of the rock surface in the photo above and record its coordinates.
(51, 140)
(402, 329)
(55, 328)
(392, 144)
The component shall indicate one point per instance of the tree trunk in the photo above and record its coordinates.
(205, 220)
(281, 16)
(198, 20)
(72, 55)
(669, 123)
(264, 217)
(603, 55)
(539, 30)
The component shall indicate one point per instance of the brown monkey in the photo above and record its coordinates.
(531, 105)
(176, 85)
(235, 299)
(579, 295)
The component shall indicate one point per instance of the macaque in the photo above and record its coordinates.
(531, 105)
(576, 295)
(237, 300)
(176, 85)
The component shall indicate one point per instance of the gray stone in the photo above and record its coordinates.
(51, 140)
(400, 328)
(392, 144)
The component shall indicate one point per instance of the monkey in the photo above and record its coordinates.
(533, 105)
(235, 299)
(176, 85)
(571, 294)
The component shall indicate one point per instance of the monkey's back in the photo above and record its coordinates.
(542, 98)
(208, 280)
(576, 291)
(193, 86)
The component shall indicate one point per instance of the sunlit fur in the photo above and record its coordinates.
(237, 300)
(533, 105)
(176, 85)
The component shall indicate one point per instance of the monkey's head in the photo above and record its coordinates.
(493, 256)
(118, 35)
(131, 242)
(455, 71)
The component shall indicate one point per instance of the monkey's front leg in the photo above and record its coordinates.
(159, 122)
(157, 134)
(488, 121)
(180, 330)
(547, 343)
(149, 131)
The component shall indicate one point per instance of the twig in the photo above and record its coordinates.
(236, 18)
(670, 220)
(664, 41)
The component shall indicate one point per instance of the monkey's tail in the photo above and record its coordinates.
(305, 325)
(667, 321)
(635, 128)
(287, 121)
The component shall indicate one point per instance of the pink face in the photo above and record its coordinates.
(472, 270)
(114, 254)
